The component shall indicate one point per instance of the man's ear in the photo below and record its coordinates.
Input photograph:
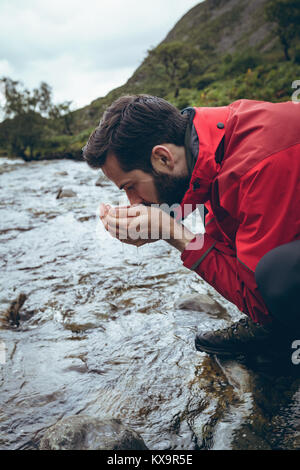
(162, 159)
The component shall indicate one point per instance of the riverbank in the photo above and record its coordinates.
(53, 147)
(76, 156)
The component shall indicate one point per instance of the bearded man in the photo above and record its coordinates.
(242, 162)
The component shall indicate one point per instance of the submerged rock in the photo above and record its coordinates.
(61, 173)
(86, 433)
(99, 181)
(12, 314)
(203, 303)
(102, 181)
(244, 404)
(65, 193)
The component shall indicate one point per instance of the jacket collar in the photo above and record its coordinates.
(205, 131)
(191, 144)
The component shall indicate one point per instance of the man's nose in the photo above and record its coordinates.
(134, 198)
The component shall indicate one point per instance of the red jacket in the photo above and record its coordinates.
(247, 174)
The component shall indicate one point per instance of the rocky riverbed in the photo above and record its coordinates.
(96, 332)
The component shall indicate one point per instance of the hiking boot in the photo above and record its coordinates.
(243, 337)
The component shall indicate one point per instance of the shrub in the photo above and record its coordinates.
(240, 63)
(297, 55)
(204, 81)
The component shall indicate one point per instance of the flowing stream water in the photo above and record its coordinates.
(101, 332)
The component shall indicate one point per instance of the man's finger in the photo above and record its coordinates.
(126, 211)
(121, 234)
(103, 210)
(135, 211)
(116, 222)
(118, 211)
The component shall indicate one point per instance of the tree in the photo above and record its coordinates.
(62, 115)
(180, 62)
(28, 115)
(286, 15)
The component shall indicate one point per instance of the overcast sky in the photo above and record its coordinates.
(82, 48)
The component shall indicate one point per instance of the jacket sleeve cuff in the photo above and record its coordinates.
(197, 250)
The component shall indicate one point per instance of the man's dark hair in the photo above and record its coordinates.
(131, 127)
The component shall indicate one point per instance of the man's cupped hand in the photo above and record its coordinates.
(137, 224)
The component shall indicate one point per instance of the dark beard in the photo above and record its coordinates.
(170, 189)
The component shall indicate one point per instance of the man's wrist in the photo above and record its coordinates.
(180, 236)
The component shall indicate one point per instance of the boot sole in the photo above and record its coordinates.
(246, 352)
(219, 352)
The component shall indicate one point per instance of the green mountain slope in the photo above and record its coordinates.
(223, 30)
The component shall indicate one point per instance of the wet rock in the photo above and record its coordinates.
(12, 314)
(85, 218)
(86, 433)
(202, 303)
(102, 181)
(99, 182)
(286, 425)
(221, 402)
(61, 173)
(65, 193)
(233, 401)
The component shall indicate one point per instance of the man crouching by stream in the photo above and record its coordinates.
(242, 162)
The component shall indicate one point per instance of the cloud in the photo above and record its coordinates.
(6, 68)
(82, 49)
(72, 78)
